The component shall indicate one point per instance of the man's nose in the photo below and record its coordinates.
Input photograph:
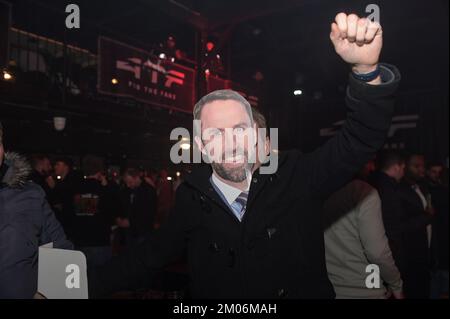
(230, 140)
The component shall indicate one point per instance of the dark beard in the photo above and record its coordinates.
(235, 175)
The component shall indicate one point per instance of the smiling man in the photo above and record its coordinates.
(253, 235)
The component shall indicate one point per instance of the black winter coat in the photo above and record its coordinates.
(415, 222)
(396, 222)
(26, 222)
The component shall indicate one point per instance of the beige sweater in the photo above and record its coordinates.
(355, 238)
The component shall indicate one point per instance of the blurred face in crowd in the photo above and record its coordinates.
(225, 124)
(131, 182)
(61, 169)
(434, 173)
(44, 166)
(398, 171)
(416, 167)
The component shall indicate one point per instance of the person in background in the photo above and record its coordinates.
(387, 178)
(434, 174)
(417, 230)
(354, 239)
(41, 174)
(95, 205)
(262, 141)
(151, 177)
(64, 184)
(138, 207)
(26, 222)
(165, 197)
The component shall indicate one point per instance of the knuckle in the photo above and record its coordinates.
(340, 15)
(352, 17)
(362, 22)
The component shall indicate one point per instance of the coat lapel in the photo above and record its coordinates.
(200, 180)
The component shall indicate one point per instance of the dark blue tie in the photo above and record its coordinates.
(241, 200)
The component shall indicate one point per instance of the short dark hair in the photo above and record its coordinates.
(66, 160)
(387, 159)
(259, 118)
(221, 95)
(410, 156)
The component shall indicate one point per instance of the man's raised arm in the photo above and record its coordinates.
(370, 103)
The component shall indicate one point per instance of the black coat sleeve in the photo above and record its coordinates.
(392, 211)
(370, 109)
(139, 264)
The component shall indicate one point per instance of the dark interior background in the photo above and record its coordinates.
(286, 41)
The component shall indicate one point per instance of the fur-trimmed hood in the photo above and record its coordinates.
(14, 171)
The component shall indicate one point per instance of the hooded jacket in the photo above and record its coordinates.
(26, 222)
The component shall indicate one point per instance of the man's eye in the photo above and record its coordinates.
(214, 134)
(239, 130)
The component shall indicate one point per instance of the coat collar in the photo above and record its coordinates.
(199, 179)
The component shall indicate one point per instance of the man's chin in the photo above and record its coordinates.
(233, 172)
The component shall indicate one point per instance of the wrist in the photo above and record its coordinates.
(364, 68)
(367, 73)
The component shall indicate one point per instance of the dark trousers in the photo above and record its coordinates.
(416, 281)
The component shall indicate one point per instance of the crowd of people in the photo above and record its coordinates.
(101, 214)
(315, 228)
(394, 214)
